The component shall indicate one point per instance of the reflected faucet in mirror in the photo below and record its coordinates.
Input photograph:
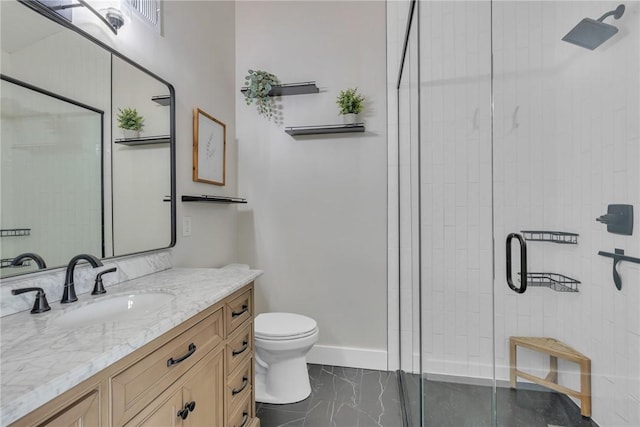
(20, 259)
(69, 294)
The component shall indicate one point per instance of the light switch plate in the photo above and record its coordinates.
(186, 226)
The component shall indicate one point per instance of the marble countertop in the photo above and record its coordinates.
(40, 360)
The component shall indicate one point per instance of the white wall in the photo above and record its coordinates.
(316, 218)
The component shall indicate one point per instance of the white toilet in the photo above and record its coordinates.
(282, 341)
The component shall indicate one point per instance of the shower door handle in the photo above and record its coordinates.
(523, 263)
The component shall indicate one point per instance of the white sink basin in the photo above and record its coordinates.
(116, 308)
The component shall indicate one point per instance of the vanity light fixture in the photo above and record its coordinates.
(112, 18)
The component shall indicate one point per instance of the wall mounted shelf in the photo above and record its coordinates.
(319, 130)
(550, 236)
(145, 140)
(291, 89)
(213, 199)
(15, 232)
(163, 100)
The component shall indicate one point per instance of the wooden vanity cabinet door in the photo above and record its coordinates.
(164, 415)
(205, 390)
(82, 413)
(203, 384)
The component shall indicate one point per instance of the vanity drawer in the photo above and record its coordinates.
(136, 386)
(243, 415)
(238, 310)
(239, 347)
(239, 385)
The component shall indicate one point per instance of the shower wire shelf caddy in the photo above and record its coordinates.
(557, 282)
(6, 262)
(11, 232)
(550, 236)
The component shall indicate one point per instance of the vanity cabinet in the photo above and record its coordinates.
(198, 374)
(83, 412)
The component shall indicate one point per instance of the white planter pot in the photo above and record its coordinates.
(131, 134)
(350, 119)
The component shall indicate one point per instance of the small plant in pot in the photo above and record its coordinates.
(351, 104)
(130, 122)
(259, 84)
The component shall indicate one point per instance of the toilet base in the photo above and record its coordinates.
(283, 382)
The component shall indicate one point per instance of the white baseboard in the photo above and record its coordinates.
(363, 358)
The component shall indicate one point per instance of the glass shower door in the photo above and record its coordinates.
(456, 213)
(408, 179)
(565, 148)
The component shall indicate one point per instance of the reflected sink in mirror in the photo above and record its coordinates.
(113, 308)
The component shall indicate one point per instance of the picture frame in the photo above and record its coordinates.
(209, 148)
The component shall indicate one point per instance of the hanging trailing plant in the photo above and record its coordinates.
(259, 84)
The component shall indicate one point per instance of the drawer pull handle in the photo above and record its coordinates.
(245, 308)
(172, 361)
(190, 406)
(245, 381)
(245, 418)
(245, 346)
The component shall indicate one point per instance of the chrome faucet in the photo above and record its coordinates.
(69, 294)
(20, 259)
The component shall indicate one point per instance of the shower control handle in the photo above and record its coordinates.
(523, 263)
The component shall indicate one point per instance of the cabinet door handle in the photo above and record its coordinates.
(245, 346)
(245, 381)
(245, 418)
(523, 263)
(183, 413)
(245, 308)
(188, 407)
(172, 361)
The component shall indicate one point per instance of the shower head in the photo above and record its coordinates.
(590, 33)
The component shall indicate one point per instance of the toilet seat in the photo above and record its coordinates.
(283, 326)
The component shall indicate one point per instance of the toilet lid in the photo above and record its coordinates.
(280, 325)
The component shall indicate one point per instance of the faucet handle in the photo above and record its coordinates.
(40, 305)
(98, 288)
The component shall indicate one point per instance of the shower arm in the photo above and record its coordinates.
(617, 13)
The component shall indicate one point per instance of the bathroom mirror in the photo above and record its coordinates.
(71, 182)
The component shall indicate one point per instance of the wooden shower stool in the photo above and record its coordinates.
(554, 349)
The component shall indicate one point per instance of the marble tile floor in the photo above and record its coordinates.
(465, 405)
(340, 397)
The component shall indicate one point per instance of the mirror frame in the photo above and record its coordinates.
(42, 10)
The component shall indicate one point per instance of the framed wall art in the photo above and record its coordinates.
(209, 148)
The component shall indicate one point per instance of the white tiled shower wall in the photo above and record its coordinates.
(565, 143)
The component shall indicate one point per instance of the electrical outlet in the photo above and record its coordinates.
(186, 226)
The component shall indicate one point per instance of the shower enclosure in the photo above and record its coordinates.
(512, 140)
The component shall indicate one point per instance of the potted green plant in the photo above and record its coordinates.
(130, 122)
(258, 85)
(351, 104)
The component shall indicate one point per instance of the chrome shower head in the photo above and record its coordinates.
(590, 33)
